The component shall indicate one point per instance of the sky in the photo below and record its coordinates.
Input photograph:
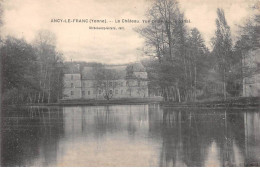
(24, 18)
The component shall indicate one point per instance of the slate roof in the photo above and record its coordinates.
(120, 70)
(72, 69)
(138, 67)
(88, 72)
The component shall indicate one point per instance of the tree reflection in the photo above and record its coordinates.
(202, 137)
(52, 136)
(29, 134)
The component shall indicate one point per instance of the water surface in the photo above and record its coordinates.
(129, 135)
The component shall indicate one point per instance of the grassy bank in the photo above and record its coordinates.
(112, 101)
(241, 102)
(92, 102)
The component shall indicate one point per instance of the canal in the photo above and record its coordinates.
(129, 135)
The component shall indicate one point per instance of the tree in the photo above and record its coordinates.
(50, 67)
(250, 34)
(222, 48)
(168, 41)
(19, 68)
(198, 59)
(248, 40)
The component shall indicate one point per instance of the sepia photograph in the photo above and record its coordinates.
(130, 83)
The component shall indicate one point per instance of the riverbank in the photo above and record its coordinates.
(92, 102)
(241, 102)
(121, 101)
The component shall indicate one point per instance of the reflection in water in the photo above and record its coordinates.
(129, 135)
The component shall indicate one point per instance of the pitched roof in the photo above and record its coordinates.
(88, 72)
(119, 70)
(138, 67)
(71, 68)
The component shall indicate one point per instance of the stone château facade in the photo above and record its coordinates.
(83, 83)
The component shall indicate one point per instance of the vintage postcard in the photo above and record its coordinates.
(130, 83)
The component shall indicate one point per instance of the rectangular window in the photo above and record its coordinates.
(83, 93)
(71, 77)
(110, 84)
(122, 91)
(88, 92)
(111, 91)
(99, 91)
(84, 84)
(116, 91)
(71, 85)
(72, 93)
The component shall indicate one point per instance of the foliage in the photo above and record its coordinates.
(31, 74)
(179, 54)
(222, 48)
(182, 67)
(50, 67)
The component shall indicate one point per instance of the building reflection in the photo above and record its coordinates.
(103, 120)
(130, 135)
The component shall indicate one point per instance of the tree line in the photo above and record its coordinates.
(31, 73)
(181, 65)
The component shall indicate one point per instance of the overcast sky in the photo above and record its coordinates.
(23, 18)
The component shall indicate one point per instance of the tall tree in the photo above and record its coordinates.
(19, 68)
(50, 66)
(167, 40)
(222, 47)
(248, 40)
(198, 60)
